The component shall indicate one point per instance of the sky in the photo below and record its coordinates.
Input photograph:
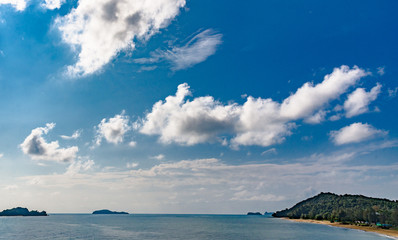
(183, 106)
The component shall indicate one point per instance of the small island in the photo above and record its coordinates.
(106, 211)
(254, 213)
(19, 211)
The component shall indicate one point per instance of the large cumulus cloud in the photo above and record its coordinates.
(258, 121)
(99, 30)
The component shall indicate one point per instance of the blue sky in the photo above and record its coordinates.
(177, 106)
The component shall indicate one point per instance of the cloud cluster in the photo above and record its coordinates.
(19, 5)
(197, 50)
(52, 4)
(113, 129)
(79, 166)
(211, 185)
(99, 30)
(354, 133)
(37, 148)
(258, 121)
(358, 101)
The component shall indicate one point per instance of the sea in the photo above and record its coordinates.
(171, 226)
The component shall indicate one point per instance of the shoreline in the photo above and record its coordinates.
(385, 232)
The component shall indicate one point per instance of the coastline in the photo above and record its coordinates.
(386, 232)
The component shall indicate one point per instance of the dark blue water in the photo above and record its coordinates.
(189, 227)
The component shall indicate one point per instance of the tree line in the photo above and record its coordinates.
(345, 208)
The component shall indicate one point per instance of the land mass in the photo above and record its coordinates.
(19, 211)
(106, 211)
(349, 211)
(254, 213)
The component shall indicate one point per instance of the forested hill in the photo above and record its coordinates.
(344, 208)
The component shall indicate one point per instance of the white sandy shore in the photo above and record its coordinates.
(385, 232)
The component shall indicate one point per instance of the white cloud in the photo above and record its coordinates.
(258, 121)
(308, 99)
(1, 155)
(132, 144)
(269, 151)
(392, 92)
(75, 135)
(158, 157)
(211, 185)
(37, 148)
(19, 5)
(53, 4)
(248, 196)
(132, 165)
(79, 166)
(187, 122)
(354, 133)
(99, 30)
(358, 101)
(317, 117)
(380, 71)
(197, 50)
(113, 129)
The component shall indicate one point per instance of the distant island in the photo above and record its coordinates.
(19, 211)
(106, 211)
(254, 213)
(346, 209)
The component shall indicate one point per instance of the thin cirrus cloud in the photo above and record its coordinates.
(356, 132)
(196, 50)
(113, 129)
(258, 121)
(19, 5)
(99, 30)
(37, 148)
(359, 100)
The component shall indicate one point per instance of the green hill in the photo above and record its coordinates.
(345, 208)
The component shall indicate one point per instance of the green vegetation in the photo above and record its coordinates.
(346, 209)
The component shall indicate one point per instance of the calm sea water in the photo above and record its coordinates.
(189, 227)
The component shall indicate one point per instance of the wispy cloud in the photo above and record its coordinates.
(158, 157)
(75, 135)
(381, 71)
(196, 50)
(79, 166)
(392, 93)
(132, 165)
(270, 151)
